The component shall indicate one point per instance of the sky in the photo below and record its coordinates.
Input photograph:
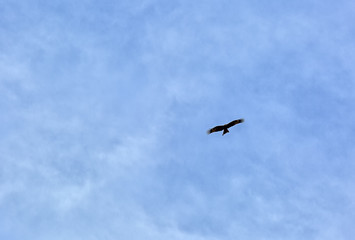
(105, 107)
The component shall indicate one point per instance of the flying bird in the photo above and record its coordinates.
(225, 127)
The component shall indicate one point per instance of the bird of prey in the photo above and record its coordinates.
(225, 127)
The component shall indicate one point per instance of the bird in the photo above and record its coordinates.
(225, 127)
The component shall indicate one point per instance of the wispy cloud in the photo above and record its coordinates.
(105, 108)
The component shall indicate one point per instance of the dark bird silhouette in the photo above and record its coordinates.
(225, 127)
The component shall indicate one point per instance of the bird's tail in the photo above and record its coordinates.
(225, 131)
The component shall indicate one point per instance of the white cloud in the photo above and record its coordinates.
(106, 107)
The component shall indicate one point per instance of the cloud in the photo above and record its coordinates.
(106, 106)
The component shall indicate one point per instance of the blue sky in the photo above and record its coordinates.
(105, 107)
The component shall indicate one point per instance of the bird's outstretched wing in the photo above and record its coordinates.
(215, 129)
(232, 123)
